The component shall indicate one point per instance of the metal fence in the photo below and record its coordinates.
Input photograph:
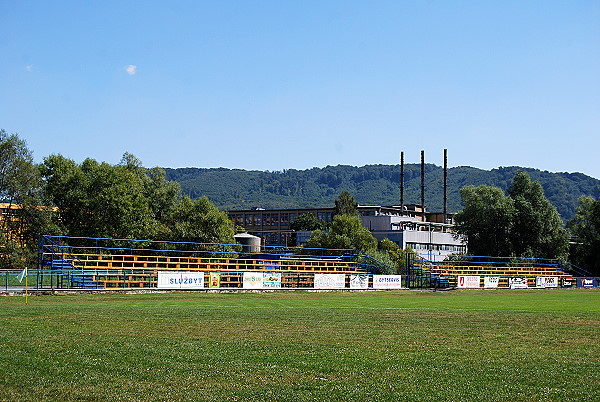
(48, 280)
(37, 279)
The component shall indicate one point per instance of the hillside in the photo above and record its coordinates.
(232, 189)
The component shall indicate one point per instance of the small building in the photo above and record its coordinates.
(430, 240)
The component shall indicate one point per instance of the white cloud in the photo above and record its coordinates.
(29, 68)
(131, 69)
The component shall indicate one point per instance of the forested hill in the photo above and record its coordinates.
(232, 189)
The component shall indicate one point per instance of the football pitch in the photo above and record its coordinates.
(394, 345)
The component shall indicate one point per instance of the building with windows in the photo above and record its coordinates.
(431, 240)
(428, 234)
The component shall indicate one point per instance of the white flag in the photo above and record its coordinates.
(22, 275)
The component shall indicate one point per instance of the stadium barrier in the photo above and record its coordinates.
(115, 279)
(94, 263)
(490, 272)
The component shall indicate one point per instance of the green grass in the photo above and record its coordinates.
(397, 345)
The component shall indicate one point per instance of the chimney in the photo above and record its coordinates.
(423, 184)
(445, 186)
(401, 183)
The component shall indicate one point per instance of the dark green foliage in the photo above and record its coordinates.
(308, 221)
(20, 185)
(129, 201)
(18, 176)
(232, 189)
(537, 230)
(586, 229)
(395, 254)
(346, 232)
(199, 221)
(99, 199)
(522, 224)
(486, 220)
(345, 204)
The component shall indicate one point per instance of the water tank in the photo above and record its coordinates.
(250, 244)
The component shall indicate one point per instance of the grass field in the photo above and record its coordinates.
(396, 345)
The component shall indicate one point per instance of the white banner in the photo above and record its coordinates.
(359, 281)
(491, 281)
(517, 283)
(272, 280)
(546, 282)
(387, 281)
(180, 280)
(330, 281)
(253, 280)
(468, 281)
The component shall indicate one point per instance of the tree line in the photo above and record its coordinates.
(95, 199)
(522, 223)
(232, 189)
(127, 200)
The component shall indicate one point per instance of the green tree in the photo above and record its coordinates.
(18, 175)
(99, 199)
(129, 201)
(346, 232)
(586, 229)
(308, 221)
(345, 204)
(20, 185)
(66, 187)
(537, 229)
(486, 220)
(522, 224)
(396, 255)
(199, 221)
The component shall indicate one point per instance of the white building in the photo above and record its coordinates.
(433, 241)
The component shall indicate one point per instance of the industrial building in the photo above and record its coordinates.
(429, 234)
(411, 226)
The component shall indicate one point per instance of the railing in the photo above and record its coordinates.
(38, 279)
(573, 269)
(57, 252)
(88, 255)
(121, 279)
(418, 276)
(423, 273)
(73, 246)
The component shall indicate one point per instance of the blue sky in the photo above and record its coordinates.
(273, 85)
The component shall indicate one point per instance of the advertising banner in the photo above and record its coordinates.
(359, 281)
(214, 280)
(387, 281)
(271, 280)
(168, 280)
(468, 281)
(568, 282)
(180, 280)
(546, 282)
(491, 281)
(517, 283)
(587, 283)
(330, 281)
(253, 280)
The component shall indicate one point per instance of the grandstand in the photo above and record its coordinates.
(77, 262)
(504, 270)
(100, 263)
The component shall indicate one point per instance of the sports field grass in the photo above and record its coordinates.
(396, 345)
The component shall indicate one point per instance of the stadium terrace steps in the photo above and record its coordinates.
(450, 273)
